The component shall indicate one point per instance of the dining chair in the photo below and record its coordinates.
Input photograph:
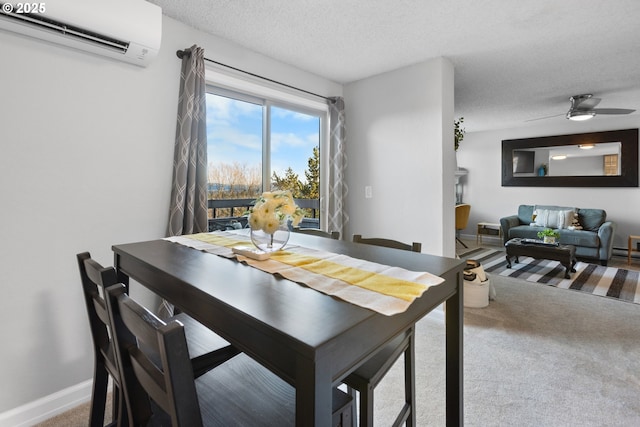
(368, 376)
(93, 278)
(207, 349)
(160, 388)
(462, 218)
(317, 232)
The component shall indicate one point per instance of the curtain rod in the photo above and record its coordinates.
(181, 53)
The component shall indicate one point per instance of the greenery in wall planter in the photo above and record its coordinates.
(548, 235)
(458, 132)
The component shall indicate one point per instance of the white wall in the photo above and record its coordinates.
(400, 143)
(480, 153)
(87, 151)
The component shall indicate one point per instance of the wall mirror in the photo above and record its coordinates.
(597, 159)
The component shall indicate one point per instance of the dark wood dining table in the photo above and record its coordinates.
(311, 340)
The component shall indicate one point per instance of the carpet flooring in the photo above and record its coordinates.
(537, 356)
(595, 279)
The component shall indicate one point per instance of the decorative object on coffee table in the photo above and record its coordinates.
(565, 254)
(548, 235)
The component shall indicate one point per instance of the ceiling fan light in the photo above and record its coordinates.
(580, 116)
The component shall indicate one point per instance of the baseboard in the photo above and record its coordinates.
(47, 407)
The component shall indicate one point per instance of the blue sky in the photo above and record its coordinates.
(234, 134)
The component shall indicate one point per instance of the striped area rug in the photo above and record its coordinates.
(591, 278)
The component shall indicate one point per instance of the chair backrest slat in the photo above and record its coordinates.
(317, 232)
(388, 243)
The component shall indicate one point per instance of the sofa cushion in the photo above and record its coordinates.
(587, 239)
(525, 214)
(553, 218)
(524, 232)
(584, 238)
(592, 219)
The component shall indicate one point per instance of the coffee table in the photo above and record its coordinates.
(537, 249)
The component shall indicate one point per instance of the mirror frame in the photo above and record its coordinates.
(629, 164)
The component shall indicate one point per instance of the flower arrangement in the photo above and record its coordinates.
(272, 210)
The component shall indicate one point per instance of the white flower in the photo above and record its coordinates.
(273, 209)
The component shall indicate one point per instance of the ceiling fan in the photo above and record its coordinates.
(583, 108)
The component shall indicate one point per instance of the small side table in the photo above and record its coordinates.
(487, 229)
(630, 247)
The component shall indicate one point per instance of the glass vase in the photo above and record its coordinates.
(270, 242)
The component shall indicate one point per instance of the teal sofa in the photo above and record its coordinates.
(586, 229)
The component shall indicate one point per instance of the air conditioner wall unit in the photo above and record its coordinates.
(127, 30)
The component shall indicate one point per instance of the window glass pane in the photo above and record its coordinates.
(295, 156)
(234, 148)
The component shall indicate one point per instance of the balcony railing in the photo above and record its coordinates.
(233, 216)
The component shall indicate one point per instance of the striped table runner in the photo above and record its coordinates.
(384, 289)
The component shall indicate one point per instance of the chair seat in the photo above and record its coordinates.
(374, 369)
(368, 375)
(201, 340)
(272, 401)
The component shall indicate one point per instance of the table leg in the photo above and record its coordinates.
(454, 386)
(313, 393)
(410, 379)
(570, 267)
(509, 260)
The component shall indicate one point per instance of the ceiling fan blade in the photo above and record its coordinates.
(587, 103)
(547, 117)
(613, 111)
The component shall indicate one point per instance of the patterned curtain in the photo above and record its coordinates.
(188, 209)
(338, 189)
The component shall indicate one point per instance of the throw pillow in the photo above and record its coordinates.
(567, 218)
(552, 218)
(575, 222)
(592, 219)
(541, 218)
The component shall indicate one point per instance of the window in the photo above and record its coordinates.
(257, 144)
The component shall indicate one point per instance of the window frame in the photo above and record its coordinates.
(269, 96)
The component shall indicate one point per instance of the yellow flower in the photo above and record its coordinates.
(274, 209)
(271, 225)
(256, 220)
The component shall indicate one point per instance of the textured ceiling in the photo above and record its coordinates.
(514, 60)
